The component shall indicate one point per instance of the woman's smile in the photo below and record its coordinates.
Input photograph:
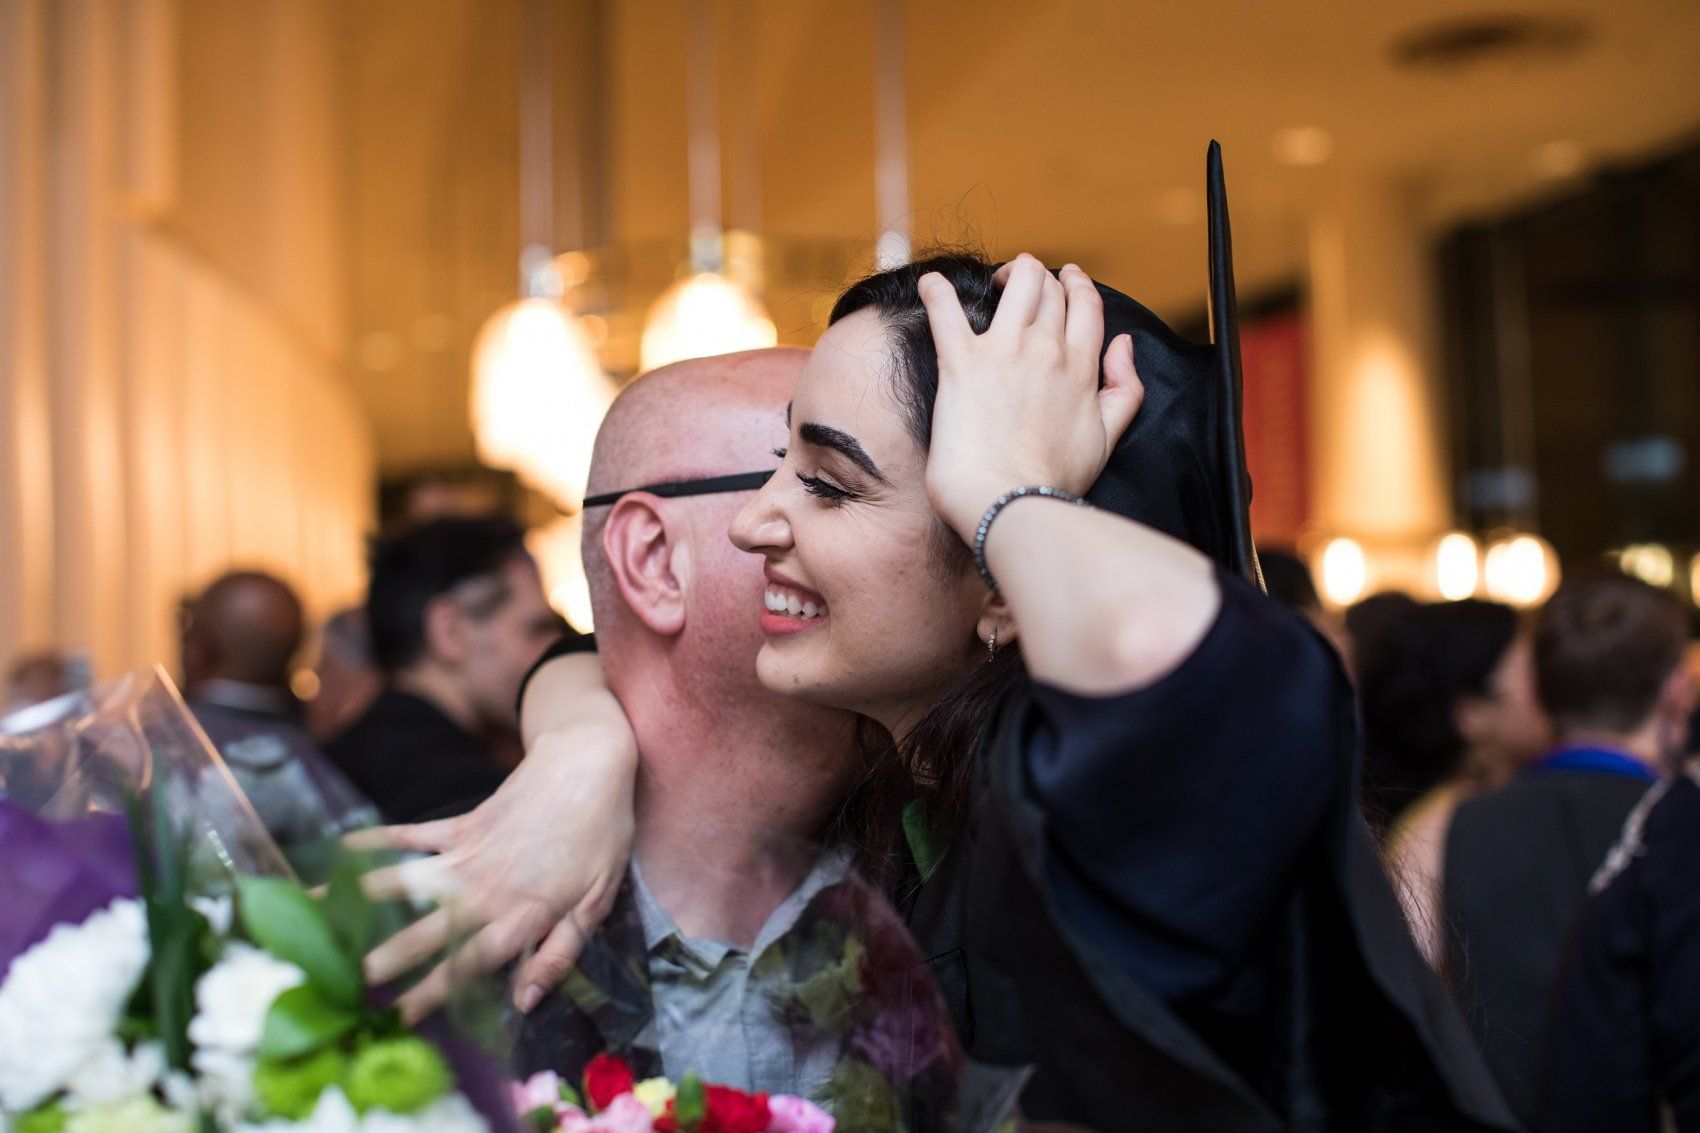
(790, 608)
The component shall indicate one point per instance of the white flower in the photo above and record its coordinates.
(115, 1075)
(62, 1000)
(219, 912)
(231, 1002)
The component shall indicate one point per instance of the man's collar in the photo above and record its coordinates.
(243, 696)
(829, 868)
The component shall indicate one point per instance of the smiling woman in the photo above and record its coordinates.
(1128, 844)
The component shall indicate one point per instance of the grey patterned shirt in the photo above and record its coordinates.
(718, 1008)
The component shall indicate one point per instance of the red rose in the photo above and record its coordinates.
(733, 1111)
(605, 1079)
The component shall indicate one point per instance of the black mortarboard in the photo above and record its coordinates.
(1181, 467)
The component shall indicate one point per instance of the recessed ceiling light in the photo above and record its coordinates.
(1303, 145)
(1557, 160)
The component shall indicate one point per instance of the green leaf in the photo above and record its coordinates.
(352, 916)
(286, 922)
(690, 1103)
(301, 1021)
(570, 1095)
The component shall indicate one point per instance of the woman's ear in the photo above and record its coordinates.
(996, 618)
(641, 554)
(1470, 716)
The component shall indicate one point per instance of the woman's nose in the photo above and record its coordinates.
(761, 525)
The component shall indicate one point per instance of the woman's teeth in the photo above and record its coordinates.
(790, 604)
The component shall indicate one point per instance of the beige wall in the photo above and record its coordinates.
(171, 391)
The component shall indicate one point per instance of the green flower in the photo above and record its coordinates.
(401, 1075)
(861, 1100)
(49, 1118)
(140, 1114)
(291, 1089)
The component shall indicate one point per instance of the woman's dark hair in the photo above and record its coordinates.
(935, 757)
(1414, 662)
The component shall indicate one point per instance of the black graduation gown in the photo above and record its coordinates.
(1167, 904)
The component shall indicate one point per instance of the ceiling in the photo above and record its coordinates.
(1074, 129)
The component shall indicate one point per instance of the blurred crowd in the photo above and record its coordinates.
(1525, 772)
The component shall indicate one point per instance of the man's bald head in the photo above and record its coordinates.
(246, 626)
(695, 419)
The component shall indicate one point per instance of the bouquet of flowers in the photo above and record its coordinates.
(161, 972)
(613, 1101)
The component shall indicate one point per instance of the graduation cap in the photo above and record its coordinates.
(1181, 466)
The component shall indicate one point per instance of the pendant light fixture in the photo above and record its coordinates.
(706, 312)
(538, 391)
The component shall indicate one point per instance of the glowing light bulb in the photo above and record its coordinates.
(1457, 566)
(1652, 563)
(538, 397)
(704, 315)
(1345, 571)
(1520, 570)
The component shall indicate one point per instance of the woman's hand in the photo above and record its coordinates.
(1020, 404)
(541, 860)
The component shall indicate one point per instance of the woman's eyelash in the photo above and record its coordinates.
(781, 452)
(832, 493)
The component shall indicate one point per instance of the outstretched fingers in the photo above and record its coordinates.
(428, 837)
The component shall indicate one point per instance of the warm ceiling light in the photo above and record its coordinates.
(1345, 571)
(1303, 145)
(701, 316)
(1457, 566)
(1652, 563)
(1694, 579)
(1520, 570)
(538, 397)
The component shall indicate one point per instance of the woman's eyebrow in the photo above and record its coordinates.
(825, 436)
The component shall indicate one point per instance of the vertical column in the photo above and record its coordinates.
(26, 474)
(1379, 468)
(88, 441)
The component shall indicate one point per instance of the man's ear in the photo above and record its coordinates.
(642, 553)
(445, 630)
(1469, 715)
(995, 617)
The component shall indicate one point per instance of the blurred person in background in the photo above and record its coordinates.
(456, 614)
(35, 677)
(1288, 580)
(1461, 712)
(238, 638)
(348, 678)
(1382, 638)
(1608, 655)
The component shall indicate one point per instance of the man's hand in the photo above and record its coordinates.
(538, 863)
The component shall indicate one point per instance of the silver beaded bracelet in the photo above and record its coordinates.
(998, 505)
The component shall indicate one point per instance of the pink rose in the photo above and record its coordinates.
(625, 1114)
(540, 1091)
(797, 1115)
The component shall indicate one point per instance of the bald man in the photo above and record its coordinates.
(737, 788)
(239, 636)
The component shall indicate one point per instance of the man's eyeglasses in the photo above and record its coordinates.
(708, 486)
